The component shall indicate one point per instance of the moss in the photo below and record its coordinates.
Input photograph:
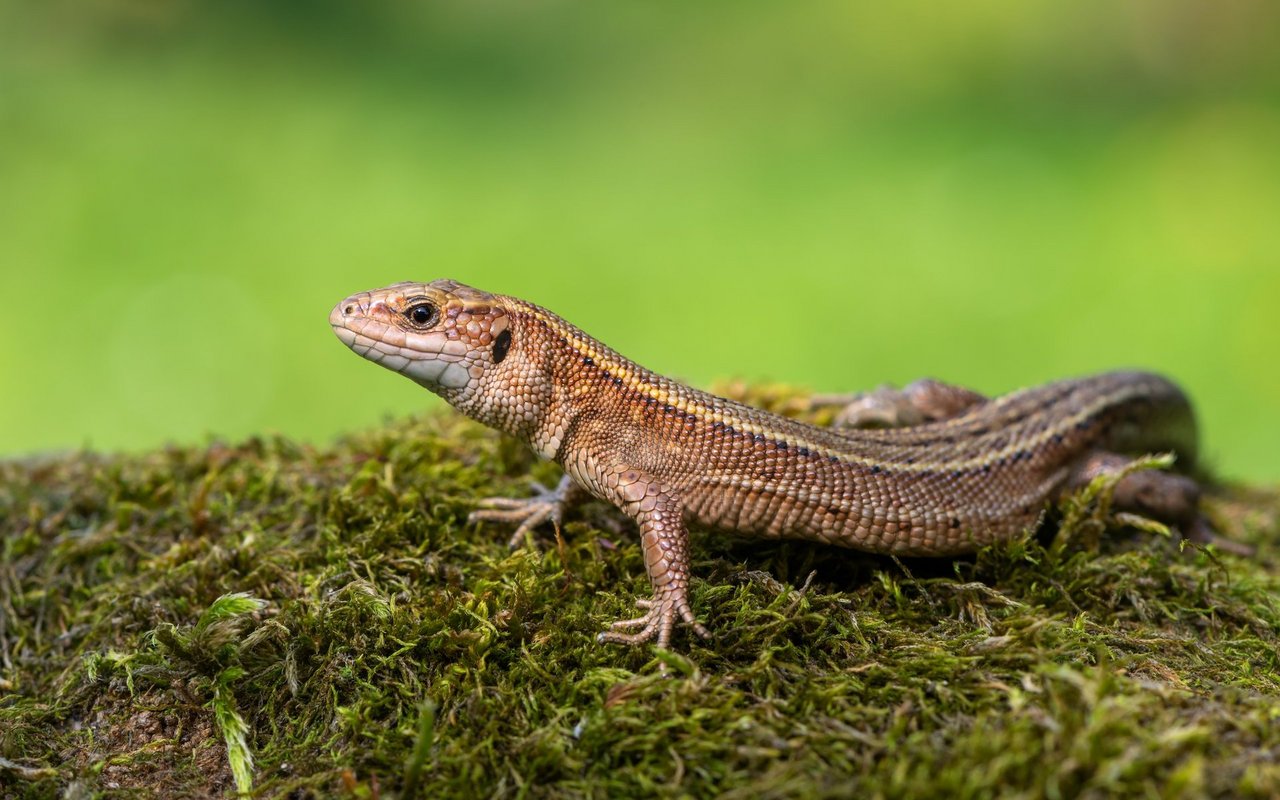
(332, 610)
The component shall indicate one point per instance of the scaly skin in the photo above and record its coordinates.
(973, 472)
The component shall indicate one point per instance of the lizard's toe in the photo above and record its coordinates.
(527, 513)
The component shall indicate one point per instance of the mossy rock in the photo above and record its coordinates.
(324, 622)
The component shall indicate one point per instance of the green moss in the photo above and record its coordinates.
(332, 610)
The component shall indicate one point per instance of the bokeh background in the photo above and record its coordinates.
(835, 195)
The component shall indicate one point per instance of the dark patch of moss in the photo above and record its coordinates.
(396, 646)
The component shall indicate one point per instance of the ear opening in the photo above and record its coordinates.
(501, 345)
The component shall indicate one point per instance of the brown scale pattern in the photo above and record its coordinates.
(666, 454)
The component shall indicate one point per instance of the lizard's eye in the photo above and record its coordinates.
(422, 314)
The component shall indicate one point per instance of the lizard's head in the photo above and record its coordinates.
(443, 335)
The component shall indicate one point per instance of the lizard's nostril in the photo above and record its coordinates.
(348, 310)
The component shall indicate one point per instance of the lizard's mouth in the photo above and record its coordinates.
(432, 359)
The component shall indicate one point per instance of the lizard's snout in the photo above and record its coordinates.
(349, 310)
(340, 312)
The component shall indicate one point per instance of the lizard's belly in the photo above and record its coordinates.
(894, 527)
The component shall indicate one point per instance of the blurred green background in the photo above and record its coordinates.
(994, 193)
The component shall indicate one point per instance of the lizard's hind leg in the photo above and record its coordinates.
(925, 400)
(1165, 496)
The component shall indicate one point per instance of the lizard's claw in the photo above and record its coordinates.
(657, 624)
(530, 512)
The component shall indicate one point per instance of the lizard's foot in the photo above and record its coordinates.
(1164, 496)
(656, 625)
(530, 512)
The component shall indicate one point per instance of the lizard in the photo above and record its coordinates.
(955, 470)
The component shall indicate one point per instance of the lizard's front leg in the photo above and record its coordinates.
(665, 542)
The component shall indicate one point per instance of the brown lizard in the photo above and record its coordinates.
(964, 472)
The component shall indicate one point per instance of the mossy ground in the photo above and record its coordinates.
(384, 647)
